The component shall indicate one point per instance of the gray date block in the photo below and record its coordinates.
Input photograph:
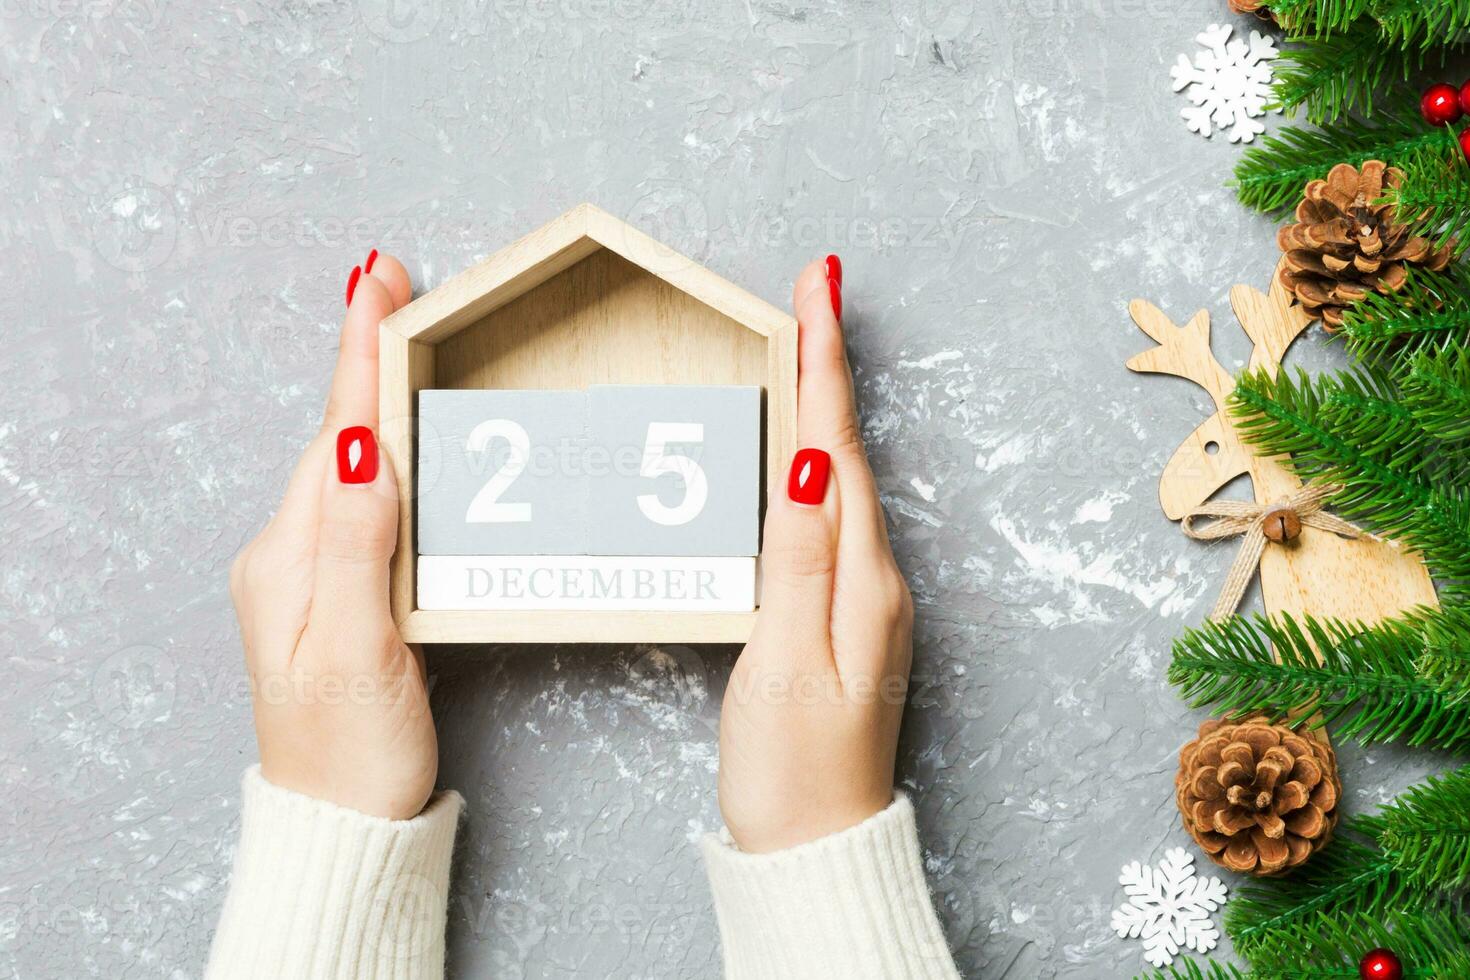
(673, 470)
(501, 472)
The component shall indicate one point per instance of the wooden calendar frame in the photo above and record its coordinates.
(585, 300)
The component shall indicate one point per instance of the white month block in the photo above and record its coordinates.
(501, 472)
(586, 582)
(674, 469)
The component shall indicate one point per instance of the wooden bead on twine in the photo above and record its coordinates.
(1259, 523)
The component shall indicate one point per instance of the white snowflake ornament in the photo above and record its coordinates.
(1169, 907)
(1229, 83)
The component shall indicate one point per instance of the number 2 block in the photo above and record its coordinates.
(500, 472)
(673, 470)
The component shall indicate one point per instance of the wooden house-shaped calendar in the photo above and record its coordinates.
(584, 302)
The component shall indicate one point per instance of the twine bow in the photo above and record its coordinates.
(1234, 517)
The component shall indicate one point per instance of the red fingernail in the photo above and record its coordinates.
(808, 481)
(834, 269)
(835, 289)
(372, 257)
(357, 455)
(352, 282)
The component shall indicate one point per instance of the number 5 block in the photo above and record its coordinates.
(500, 472)
(673, 470)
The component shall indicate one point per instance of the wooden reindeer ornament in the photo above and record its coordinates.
(1310, 563)
(1321, 565)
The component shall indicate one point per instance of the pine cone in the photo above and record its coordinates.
(1256, 7)
(1257, 797)
(1347, 244)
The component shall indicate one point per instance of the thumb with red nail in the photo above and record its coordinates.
(342, 867)
(835, 621)
(809, 725)
(341, 703)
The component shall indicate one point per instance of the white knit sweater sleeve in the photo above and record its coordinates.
(322, 892)
(851, 906)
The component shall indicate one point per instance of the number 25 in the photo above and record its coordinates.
(487, 508)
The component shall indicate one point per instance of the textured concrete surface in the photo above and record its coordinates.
(187, 186)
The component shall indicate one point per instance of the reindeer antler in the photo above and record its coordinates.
(1214, 454)
(1271, 321)
(1183, 351)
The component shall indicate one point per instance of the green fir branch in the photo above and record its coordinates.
(1436, 389)
(1401, 22)
(1431, 311)
(1192, 970)
(1318, 18)
(1370, 409)
(1367, 681)
(1360, 408)
(1429, 943)
(1344, 428)
(1270, 177)
(1341, 72)
(1427, 831)
(1282, 417)
(1387, 880)
(1435, 195)
(1422, 22)
(1445, 635)
(1353, 875)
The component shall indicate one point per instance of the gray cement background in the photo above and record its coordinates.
(187, 186)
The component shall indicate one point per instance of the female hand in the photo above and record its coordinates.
(809, 728)
(341, 703)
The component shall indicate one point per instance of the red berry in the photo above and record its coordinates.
(1465, 97)
(1440, 104)
(1380, 964)
(1465, 143)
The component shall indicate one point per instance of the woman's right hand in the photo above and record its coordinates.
(809, 728)
(341, 703)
